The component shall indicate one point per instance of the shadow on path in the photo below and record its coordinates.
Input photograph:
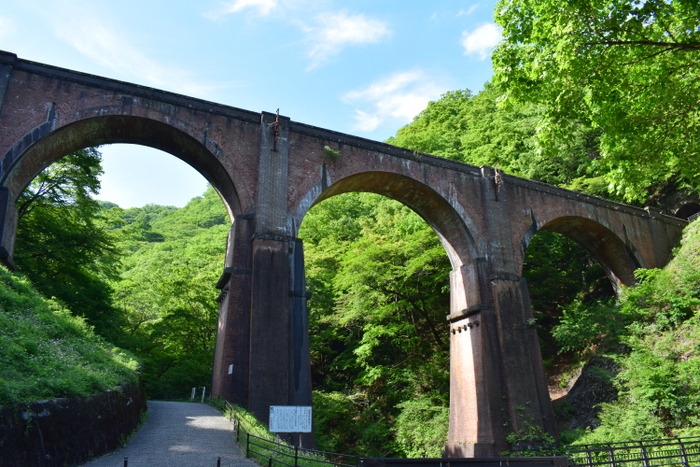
(179, 434)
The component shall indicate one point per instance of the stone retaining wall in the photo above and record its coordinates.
(69, 431)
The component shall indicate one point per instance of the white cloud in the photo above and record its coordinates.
(108, 47)
(398, 97)
(469, 11)
(481, 40)
(7, 27)
(334, 31)
(263, 7)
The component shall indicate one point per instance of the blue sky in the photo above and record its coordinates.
(360, 67)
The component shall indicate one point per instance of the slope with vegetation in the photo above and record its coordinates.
(171, 261)
(47, 352)
(596, 97)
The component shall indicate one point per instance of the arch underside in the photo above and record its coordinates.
(688, 210)
(608, 249)
(428, 204)
(114, 129)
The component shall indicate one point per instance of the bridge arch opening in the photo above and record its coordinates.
(113, 129)
(574, 268)
(124, 314)
(453, 230)
(407, 296)
(688, 211)
(615, 256)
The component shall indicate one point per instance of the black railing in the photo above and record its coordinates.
(469, 462)
(658, 453)
(271, 453)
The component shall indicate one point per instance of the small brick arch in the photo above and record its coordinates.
(687, 211)
(615, 255)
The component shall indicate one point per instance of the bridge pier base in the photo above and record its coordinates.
(498, 390)
(231, 357)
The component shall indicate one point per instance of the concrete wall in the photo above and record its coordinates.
(69, 431)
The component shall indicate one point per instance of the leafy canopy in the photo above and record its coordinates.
(64, 245)
(626, 67)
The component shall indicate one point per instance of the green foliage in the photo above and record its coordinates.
(624, 67)
(159, 301)
(659, 381)
(380, 285)
(172, 260)
(421, 427)
(63, 245)
(330, 152)
(664, 298)
(46, 352)
(584, 328)
(476, 130)
(569, 291)
(335, 416)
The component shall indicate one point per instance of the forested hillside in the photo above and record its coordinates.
(380, 284)
(171, 261)
(601, 100)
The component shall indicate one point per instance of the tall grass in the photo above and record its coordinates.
(46, 352)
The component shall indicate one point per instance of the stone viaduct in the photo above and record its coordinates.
(270, 170)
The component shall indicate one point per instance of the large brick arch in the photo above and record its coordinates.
(25, 163)
(451, 229)
(44, 145)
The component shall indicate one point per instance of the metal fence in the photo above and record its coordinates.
(271, 453)
(660, 453)
(672, 453)
(554, 461)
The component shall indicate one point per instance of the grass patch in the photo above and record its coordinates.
(46, 352)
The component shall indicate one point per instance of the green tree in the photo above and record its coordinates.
(380, 285)
(172, 259)
(477, 130)
(624, 67)
(63, 243)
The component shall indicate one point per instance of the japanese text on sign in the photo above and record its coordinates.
(290, 419)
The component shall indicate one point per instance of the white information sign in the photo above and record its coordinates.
(290, 419)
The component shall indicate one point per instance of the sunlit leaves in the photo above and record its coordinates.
(628, 68)
(381, 291)
(63, 243)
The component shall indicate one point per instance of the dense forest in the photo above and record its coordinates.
(601, 99)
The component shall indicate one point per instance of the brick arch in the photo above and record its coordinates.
(29, 156)
(688, 210)
(453, 230)
(616, 257)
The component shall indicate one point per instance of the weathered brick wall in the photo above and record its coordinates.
(68, 431)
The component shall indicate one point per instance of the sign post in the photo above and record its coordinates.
(290, 419)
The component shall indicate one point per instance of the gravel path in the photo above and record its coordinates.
(179, 434)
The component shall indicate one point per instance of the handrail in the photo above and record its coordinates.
(647, 453)
(273, 452)
(651, 453)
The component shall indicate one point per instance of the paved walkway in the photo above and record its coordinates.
(179, 434)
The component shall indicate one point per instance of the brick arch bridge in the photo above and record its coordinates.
(269, 171)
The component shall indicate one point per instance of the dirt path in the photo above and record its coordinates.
(179, 434)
